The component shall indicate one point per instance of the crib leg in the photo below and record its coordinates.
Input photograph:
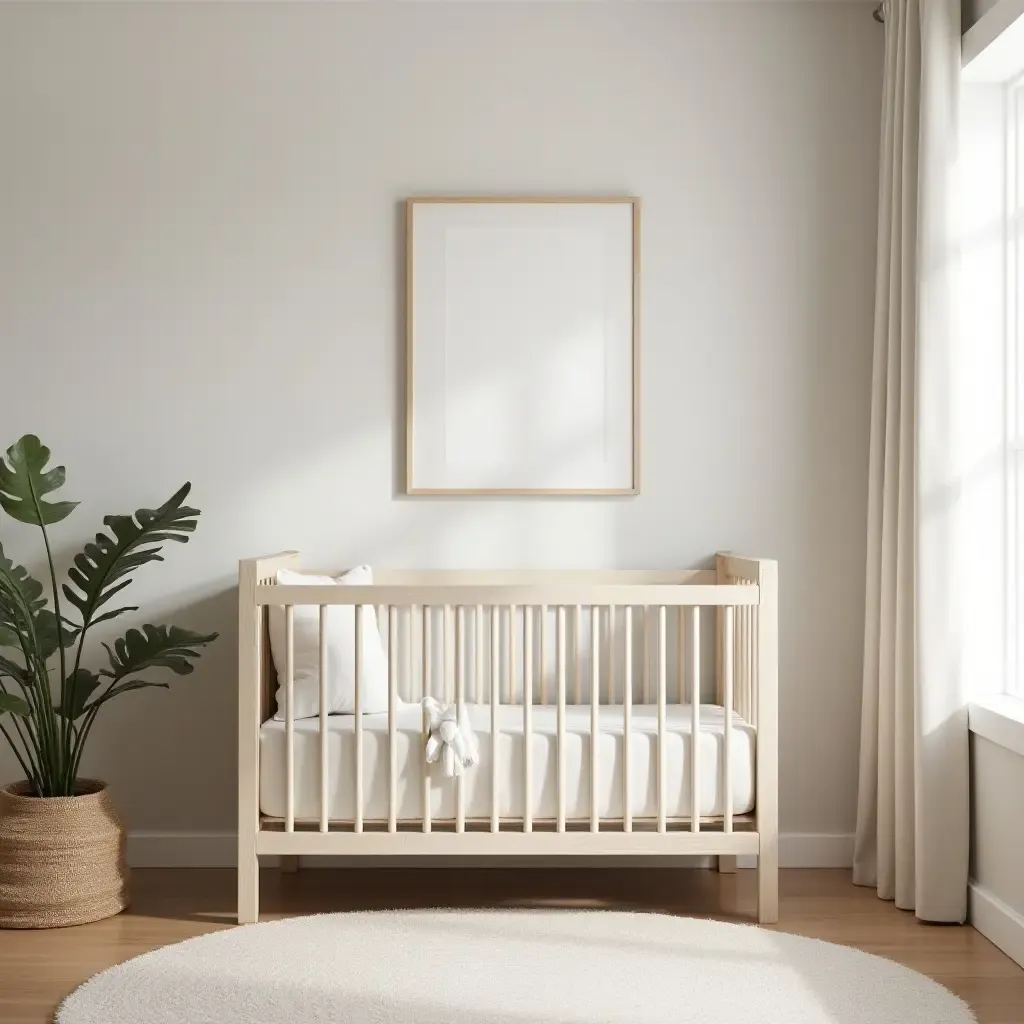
(248, 887)
(768, 887)
(289, 863)
(727, 864)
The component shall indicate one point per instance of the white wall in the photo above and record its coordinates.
(997, 827)
(201, 229)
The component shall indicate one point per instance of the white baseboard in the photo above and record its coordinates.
(811, 850)
(997, 921)
(217, 850)
(182, 849)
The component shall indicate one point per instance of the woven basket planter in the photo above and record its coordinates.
(61, 858)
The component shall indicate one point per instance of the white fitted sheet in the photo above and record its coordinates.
(510, 745)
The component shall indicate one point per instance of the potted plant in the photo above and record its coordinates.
(61, 842)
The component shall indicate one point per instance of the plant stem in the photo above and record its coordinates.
(64, 751)
(36, 695)
(33, 780)
(31, 744)
(83, 735)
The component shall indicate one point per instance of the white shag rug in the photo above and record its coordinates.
(508, 967)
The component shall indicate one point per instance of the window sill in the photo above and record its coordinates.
(999, 719)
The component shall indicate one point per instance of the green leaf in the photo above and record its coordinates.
(136, 541)
(114, 614)
(24, 481)
(14, 704)
(47, 634)
(15, 671)
(80, 687)
(132, 684)
(155, 647)
(21, 603)
(18, 586)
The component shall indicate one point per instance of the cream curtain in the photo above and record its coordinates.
(912, 817)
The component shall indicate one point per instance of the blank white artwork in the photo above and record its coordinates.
(521, 346)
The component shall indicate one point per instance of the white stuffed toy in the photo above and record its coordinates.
(451, 743)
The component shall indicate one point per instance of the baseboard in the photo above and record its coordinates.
(811, 850)
(182, 849)
(218, 850)
(997, 921)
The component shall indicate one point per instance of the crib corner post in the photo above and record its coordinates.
(248, 884)
(249, 652)
(767, 696)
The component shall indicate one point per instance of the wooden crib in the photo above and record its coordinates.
(576, 684)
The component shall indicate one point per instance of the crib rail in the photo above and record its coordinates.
(590, 641)
(555, 595)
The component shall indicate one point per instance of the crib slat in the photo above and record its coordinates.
(627, 717)
(662, 788)
(543, 654)
(447, 670)
(495, 699)
(289, 692)
(695, 722)
(595, 704)
(727, 627)
(560, 665)
(323, 718)
(647, 656)
(748, 682)
(741, 660)
(577, 637)
(392, 722)
(527, 720)
(681, 655)
(478, 646)
(513, 614)
(747, 688)
(357, 824)
(409, 665)
(460, 663)
(427, 671)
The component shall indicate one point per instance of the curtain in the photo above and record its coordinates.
(912, 816)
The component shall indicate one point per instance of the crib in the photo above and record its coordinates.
(583, 689)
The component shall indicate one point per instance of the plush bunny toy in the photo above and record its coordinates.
(452, 743)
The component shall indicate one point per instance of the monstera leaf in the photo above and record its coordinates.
(21, 599)
(25, 481)
(132, 684)
(15, 705)
(36, 633)
(152, 647)
(12, 670)
(80, 687)
(155, 647)
(50, 634)
(98, 572)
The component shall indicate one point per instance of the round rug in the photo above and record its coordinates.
(509, 967)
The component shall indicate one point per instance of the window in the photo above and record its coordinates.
(990, 376)
(1013, 269)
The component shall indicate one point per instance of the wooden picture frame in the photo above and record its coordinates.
(523, 345)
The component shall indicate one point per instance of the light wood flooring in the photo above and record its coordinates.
(37, 969)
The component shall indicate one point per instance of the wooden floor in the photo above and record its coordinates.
(37, 969)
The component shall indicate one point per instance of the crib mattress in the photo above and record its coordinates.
(510, 745)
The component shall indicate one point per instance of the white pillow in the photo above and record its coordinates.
(341, 648)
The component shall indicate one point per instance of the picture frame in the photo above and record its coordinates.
(523, 345)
